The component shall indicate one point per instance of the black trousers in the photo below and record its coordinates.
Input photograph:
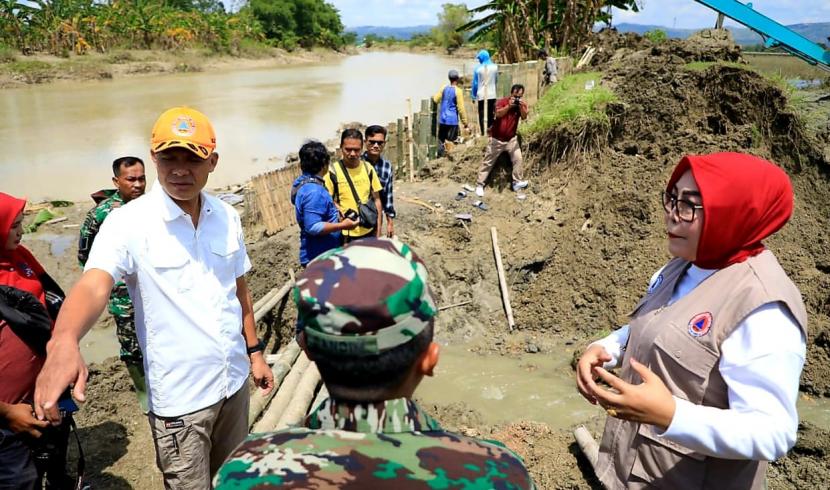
(491, 114)
(17, 466)
(447, 132)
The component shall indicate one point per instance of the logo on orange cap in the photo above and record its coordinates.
(183, 127)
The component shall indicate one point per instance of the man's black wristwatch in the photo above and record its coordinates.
(259, 347)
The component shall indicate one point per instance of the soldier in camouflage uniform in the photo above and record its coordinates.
(130, 182)
(366, 318)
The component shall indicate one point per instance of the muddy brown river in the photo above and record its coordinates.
(59, 140)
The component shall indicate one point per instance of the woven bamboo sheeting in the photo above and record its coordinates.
(272, 199)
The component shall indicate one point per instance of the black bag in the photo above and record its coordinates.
(367, 211)
(54, 295)
(26, 316)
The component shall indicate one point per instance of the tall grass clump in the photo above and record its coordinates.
(569, 101)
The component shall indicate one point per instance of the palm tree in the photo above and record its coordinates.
(520, 27)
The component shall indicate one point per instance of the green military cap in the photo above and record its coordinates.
(364, 298)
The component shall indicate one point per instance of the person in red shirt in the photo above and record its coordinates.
(503, 139)
(26, 292)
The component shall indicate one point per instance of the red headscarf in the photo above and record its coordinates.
(745, 200)
(18, 268)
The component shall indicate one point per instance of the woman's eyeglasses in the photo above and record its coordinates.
(685, 209)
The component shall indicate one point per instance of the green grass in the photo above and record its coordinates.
(27, 66)
(568, 102)
(7, 54)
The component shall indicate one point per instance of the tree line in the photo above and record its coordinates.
(61, 27)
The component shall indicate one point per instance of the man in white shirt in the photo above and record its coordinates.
(182, 255)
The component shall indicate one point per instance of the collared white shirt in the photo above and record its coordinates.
(761, 363)
(182, 281)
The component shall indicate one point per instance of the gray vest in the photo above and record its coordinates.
(681, 344)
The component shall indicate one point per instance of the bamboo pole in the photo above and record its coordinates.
(272, 301)
(301, 399)
(588, 445)
(410, 139)
(261, 301)
(505, 295)
(280, 369)
(281, 400)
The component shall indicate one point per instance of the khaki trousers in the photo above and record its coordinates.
(191, 448)
(494, 149)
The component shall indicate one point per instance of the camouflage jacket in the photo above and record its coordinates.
(105, 200)
(392, 444)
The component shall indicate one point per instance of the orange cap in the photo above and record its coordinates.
(183, 127)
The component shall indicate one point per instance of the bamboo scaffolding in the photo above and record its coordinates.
(300, 399)
(283, 397)
(285, 360)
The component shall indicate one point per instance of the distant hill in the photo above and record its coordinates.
(816, 32)
(404, 33)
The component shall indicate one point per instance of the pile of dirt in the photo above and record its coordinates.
(609, 43)
(806, 464)
(618, 49)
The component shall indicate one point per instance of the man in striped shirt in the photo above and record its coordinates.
(375, 141)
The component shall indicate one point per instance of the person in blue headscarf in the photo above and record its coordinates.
(484, 88)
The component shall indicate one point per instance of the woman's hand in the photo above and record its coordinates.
(649, 402)
(594, 356)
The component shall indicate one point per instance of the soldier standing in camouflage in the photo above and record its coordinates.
(130, 182)
(366, 318)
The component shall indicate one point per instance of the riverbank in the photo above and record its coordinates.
(22, 71)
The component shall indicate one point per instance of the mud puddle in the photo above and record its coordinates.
(536, 387)
(58, 243)
(99, 344)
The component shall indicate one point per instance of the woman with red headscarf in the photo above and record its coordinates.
(711, 358)
(26, 291)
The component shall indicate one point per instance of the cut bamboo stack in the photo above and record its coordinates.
(296, 379)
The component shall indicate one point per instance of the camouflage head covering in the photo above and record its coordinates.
(363, 299)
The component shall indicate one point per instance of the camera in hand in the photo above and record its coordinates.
(352, 215)
(517, 101)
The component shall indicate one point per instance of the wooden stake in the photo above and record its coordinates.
(505, 295)
(410, 139)
(456, 305)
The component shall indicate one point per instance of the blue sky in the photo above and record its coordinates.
(670, 13)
